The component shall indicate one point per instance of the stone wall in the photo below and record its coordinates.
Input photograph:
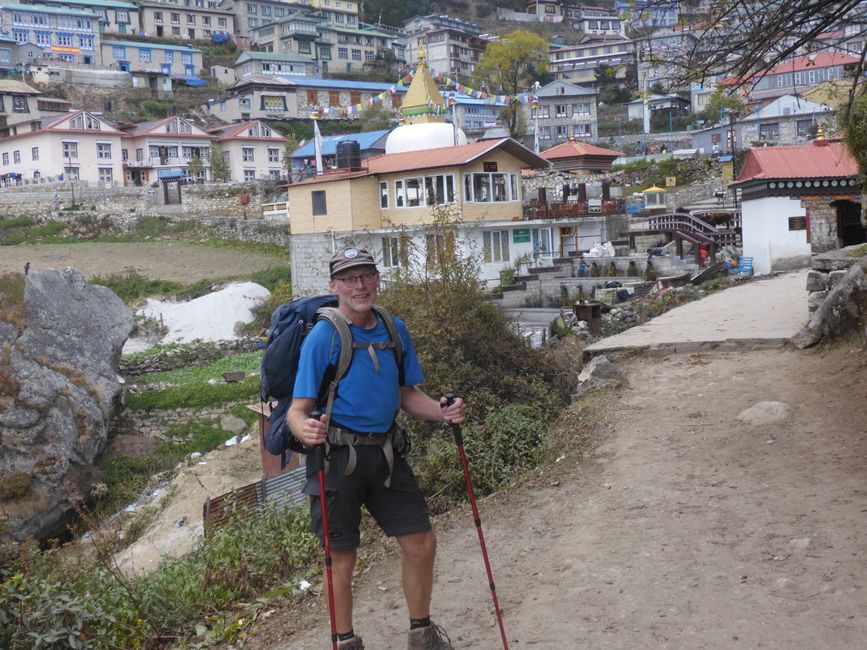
(198, 355)
(823, 225)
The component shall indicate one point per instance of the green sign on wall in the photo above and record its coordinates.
(521, 236)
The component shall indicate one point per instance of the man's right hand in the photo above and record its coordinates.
(314, 432)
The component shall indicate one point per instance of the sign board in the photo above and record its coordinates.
(490, 166)
(521, 236)
(66, 49)
(671, 181)
(797, 223)
(728, 171)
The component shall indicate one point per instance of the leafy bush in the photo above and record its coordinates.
(272, 277)
(247, 362)
(46, 602)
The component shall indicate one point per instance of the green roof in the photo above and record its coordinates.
(42, 9)
(153, 46)
(93, 3)
(288, 57)
(360, 32)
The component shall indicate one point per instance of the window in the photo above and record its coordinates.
(769, 131)
(542, 242)
(495, 245)
(542, 112)
(319, 205)
(144, 54)
(67, 40)
(70, 150)
(562, 110)
(274, 174)
(43, 39)
(395, 251)
(71, 173)
(191, 19)
(356, 55)
(16, 157)
(354, 97)
(492, 187)
(383, 195)
(5, 158)
(34, 153)
(804, 127)
(158, 17)
(312, 97)
(333, 98)
(247, 154)
(85, 42)
(273, 154)
(221, 22)
(206, 21)
(252, 9)
(249, 175)
(176, 18)
(169, 56)
(581, 109)
(103, 150)
(304, 47)
(187, 58)
(19, 104)
(342, 53)
(425, 190)
(176, 31)
(439, 245)
(105, 175)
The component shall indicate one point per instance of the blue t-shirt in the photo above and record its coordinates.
(367, 399)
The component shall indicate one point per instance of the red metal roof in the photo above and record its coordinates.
(576, 149)
(801, 161)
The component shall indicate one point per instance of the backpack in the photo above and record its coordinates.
(291, 322)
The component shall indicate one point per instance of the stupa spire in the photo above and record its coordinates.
(423, 102)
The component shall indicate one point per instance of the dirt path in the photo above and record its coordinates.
(165, 260)
(682, 528)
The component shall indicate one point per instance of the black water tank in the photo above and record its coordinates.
(348, 154)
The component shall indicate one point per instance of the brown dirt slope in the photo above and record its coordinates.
(682, 527)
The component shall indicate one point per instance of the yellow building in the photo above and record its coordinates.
(388, 204)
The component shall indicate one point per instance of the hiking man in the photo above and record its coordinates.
(362, 429)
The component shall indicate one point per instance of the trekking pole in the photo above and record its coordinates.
(459, 441)
(319, 457)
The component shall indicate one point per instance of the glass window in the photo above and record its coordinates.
(398, 194)
(16, 156)
(412, 190)
(19, 104)
(144, 54)
(247, 154)
(495, 245)
(249, 175)
(70, 150)
(483, 188)
(319, 204)
(105, 174)
(394, 251)
(34, 153)
(103, 150)
(273, 155)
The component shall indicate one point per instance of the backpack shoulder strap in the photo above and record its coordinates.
(341, 326)
(387, 318)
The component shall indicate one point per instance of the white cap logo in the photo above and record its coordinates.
(350, 253)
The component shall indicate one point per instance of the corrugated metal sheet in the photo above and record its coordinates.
(284, 490)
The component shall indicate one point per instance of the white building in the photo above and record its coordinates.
(252, 150)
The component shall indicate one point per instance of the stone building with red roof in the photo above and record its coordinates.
(799, 200)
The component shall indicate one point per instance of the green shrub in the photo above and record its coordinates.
(132, 286)
(195, 395)
(273, 276)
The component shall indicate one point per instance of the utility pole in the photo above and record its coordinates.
(68, 154)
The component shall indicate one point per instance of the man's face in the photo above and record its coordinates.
(356, 288)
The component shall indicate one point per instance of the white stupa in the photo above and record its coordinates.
(424, 113)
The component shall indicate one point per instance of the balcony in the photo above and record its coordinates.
(575, 209)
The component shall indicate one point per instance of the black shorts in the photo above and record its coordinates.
(399, 509)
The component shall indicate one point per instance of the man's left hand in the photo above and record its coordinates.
(455, 412)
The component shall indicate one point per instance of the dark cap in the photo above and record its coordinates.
(350, 258)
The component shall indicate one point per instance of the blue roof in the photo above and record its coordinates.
(314, 82)
(365, 140)
(172, 173)
(469, 100)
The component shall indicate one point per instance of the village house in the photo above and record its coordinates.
(388, 203)
(114, 16)
(180, 62)
(188, 20)
(577, 64)
(252, 150)
(75, 146)
(564, 110)
(278, 98)
(794, 76)
(785, 120)
(68, 34)
(292, 32)
(283, 64)
(452, 46)
(799, 200)
(370, 144)
(163, 149)
(19, 110)
(254, 14)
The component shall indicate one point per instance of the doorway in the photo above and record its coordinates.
(850, 227)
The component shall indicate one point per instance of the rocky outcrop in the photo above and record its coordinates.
(57, 386)
(837, 297)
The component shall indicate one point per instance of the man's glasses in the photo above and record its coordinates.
(352, 280)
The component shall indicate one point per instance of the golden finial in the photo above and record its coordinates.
(421, 53)
(820, 133)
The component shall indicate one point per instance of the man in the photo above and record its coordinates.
(367, 401)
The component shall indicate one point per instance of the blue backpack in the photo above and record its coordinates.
(291, 322)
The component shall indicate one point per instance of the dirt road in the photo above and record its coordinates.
(176, 261)
(683, 527)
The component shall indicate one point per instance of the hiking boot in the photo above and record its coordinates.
(432, 637)
(354, 643)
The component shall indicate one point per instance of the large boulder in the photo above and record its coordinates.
(842, 310)
(58, 381)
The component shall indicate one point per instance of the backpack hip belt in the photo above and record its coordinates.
(340, 437)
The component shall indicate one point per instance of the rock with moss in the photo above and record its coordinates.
(58, 382)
